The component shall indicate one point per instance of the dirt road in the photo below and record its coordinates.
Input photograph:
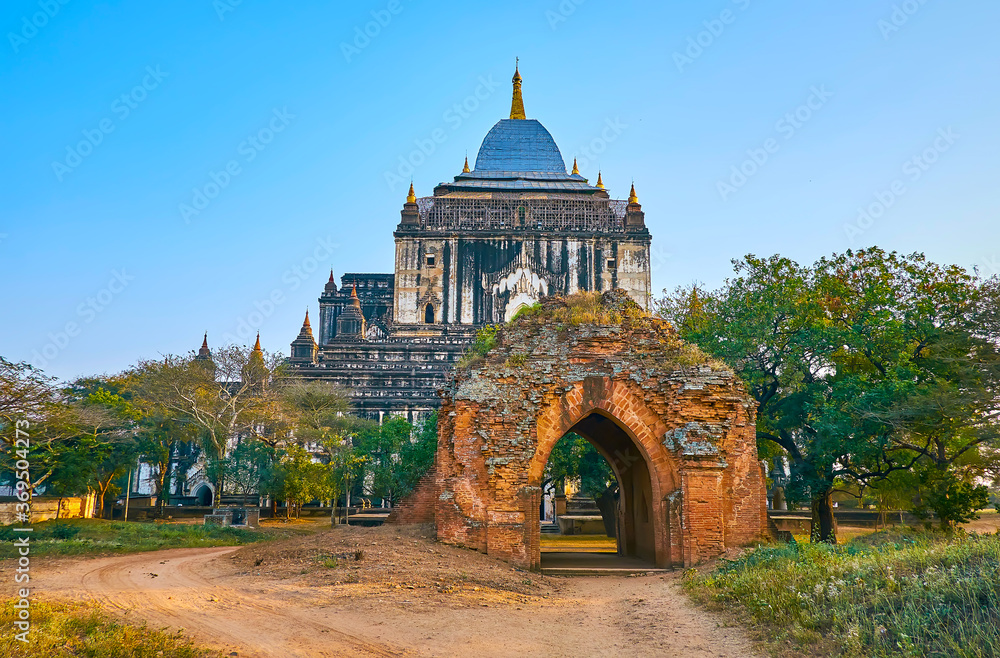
(203, 592)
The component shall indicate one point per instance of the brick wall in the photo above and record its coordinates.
(418, 507)
(637, 392)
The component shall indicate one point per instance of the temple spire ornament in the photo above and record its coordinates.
(600, 183)
(411, 197)
(517, 102)
(632, 198)
(465, 168)
(575, 170)
(204, 353)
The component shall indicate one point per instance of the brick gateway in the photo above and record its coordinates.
(677, 428)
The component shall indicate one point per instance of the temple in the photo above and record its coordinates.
(497, 238)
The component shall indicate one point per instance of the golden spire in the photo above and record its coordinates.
(600, 183)
(306, 323)
(256, 347)
(465, 169)
(517, 103)
(632, 198)
(411, 197)
(575, 170)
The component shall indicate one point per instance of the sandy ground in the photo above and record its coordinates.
(405, 596)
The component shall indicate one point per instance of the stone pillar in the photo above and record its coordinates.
(704, 533)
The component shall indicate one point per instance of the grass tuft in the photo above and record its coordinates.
(97, 536)
(62, 630)
(889, 594)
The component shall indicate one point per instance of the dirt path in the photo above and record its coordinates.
(195, 590)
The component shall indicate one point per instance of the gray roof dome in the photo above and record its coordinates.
(519, 145)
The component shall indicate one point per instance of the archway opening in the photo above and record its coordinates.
(597, 499)
(429, 314)
(204, 495)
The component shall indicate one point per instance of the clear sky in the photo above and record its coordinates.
(302, 129)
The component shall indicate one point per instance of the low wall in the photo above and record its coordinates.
(419, 506)
(44, 508)
(800, 521)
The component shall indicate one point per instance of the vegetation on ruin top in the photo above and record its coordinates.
(609, 309)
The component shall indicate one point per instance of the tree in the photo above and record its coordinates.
(26, 393)
(382, 445)
(416, 457)
(840, 358)
(300, 478)
(319, 413)
(235, 394)
(105, 446)
(245, 470)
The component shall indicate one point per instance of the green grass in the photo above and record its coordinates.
(96, 537)
(75, 629)
(894, 593)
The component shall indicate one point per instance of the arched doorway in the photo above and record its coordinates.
(599, 499)
(677, 429)
(204, 495)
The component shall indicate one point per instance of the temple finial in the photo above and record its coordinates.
(256, 347)
(632, 198)
(600, 183)
(575, 170)
(331, 275)
(411, 197)
(517, 102)
(465, 169)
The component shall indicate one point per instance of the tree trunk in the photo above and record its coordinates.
(824, 525)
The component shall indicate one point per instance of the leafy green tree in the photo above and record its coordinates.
(245, 470)
(416, 457)
(863, 365)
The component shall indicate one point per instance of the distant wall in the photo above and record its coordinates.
(44, 508)
(418, 507)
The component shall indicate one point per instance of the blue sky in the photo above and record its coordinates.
(823, 106)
